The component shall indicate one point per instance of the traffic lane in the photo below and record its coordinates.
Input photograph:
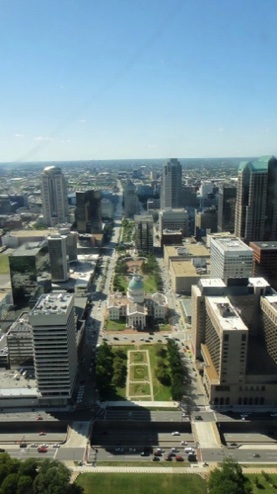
(23, 436)
(240, 455)
(110, 440)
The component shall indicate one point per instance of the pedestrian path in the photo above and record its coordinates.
(127, 469)
(207, 435)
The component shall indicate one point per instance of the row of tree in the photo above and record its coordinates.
(169, 368)
(110, 369)
(33, 476)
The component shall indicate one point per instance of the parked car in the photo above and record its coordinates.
(176, 433)
(42, 449)
(155, 458)
(179, 458)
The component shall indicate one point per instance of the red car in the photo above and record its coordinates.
(42, 449)
(42, 434)
(39, 418)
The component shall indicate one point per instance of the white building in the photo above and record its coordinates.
(57, 246)
(137, 306)
(54, 196)
(55, 348)
(230, 258)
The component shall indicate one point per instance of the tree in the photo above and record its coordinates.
(228, 479)
(9, 484)
(28, 468)
(24, 485)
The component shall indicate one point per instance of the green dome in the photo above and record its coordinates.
(136, 283)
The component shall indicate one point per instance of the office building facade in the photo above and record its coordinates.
(88, 211)
(144, 235)
(174, 219)
(230, 258)
(55, 349)
(57, 246)
(130, 200)
(54, 196)
(171, 188)
(30, 272)
(234, 333)
(256, 208)
(265, 261)
(226, 207)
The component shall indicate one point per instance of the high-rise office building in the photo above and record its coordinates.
(57, 246)
(30, 272)
(88, 211)
(130, 200)
(144, 236)
(55, 348)
(173, 219)
(54, 196)
(171, 188)
(230, 258)
(256, 208)
(234, 334)
(265, 261)
(227, 194)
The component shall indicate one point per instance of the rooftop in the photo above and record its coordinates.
(52, 303)
(29, 249)
(265, 245)
(226, 314)
(187, 250)
(231, 244)
(186, 268)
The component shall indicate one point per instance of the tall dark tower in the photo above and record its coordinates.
(256, 208)
(226, 208)
(171, 191)
(88, 211)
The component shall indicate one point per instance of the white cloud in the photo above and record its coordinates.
(65, 141)
(19, 135)
(43, 139)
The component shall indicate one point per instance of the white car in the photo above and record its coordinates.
(176, 433)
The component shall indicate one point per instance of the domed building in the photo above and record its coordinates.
(136, 306)
(135, 292)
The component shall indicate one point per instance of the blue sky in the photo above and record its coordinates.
(112, 79)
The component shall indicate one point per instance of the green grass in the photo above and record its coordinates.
(139, 372)
(263, 486)
(149, 284)
(139, 389)
(116, 325)
(4, 264)
(161, 392)
(138, 357)
(141, 483)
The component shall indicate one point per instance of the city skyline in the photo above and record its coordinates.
(81, 80)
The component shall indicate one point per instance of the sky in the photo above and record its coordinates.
(120, 79)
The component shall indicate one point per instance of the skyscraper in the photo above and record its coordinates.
(256, 208)
(230, 258)
(54, 196)
(226, 208)
(57, 246)
(88, 211)
(171, 190)
(130, 200)
(144, 237)
(55, 347)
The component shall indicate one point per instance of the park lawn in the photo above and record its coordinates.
(116, 325)
(124, 483)
(263, 485)
(139, 372)
(140, 390)
(161, 392)
(138, 357)
(149, 284)
(4, 264)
